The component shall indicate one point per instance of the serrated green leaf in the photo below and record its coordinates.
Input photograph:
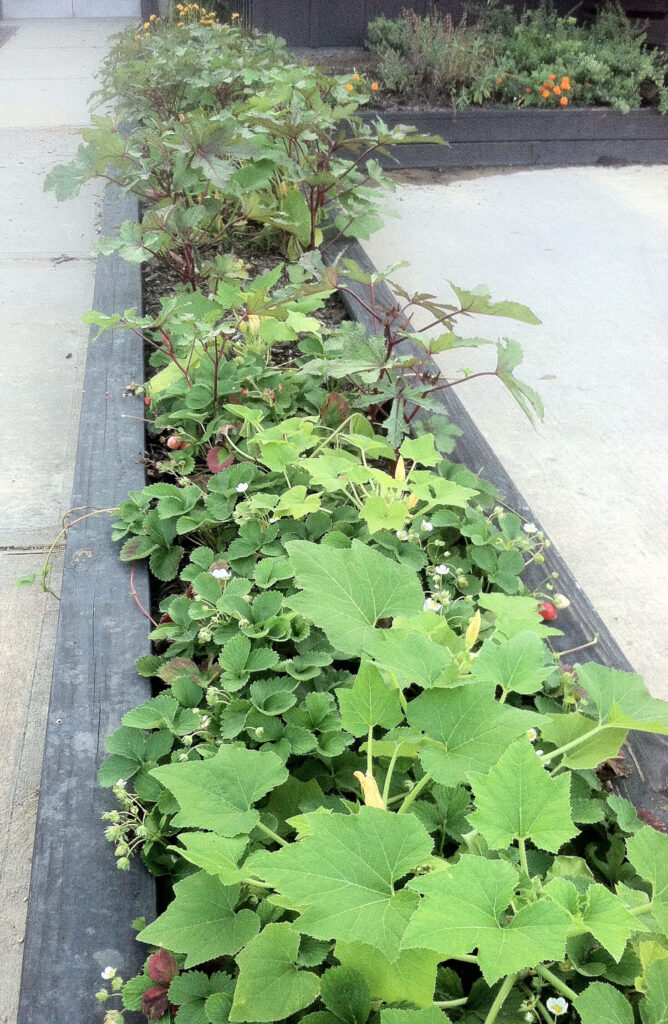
(158, 711)
(345, 993)
(134, 989)
(460, 912)
(600, 1002)
(421, 450)
(407, 977)
(346, 591)
(654, 1008)
(192, 993)
(431, 1015)
(468, 729)
(622, 700)
(520, 800)
(477, 300)
(201, 921)
(517, 665)
(368, 703)
(603, 914)
(217, 855)
(218, 793)
(270, 986)
(411, 657)
(648, 852)
(341, 877)
(381, 514)
(515, 615)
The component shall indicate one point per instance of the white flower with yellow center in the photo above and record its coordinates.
(557, 1006)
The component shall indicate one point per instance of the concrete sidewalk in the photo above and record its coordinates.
(47, 270)
(587, 249)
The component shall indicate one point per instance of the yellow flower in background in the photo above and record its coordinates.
(370, 791)
(473, 630)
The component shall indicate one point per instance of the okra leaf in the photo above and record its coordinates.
(341, 877)
(270, 986)
(201, 921)
(346, 591)
(218, 794)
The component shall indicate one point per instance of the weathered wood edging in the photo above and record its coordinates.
(80, 906)
(514, 138)
(647, 754)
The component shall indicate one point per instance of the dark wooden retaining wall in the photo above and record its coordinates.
(81, 907)
(344, 22)
(646, 785)
(511, 138)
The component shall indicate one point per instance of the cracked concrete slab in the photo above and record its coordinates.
(587, 249)
(26, 652)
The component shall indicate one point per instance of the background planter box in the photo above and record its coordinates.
(511, 138)
(344, 22)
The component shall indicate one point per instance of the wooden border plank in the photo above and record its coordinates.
(647, 755)
(80, 906)
(511, 138)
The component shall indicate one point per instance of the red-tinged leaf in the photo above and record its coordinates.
(650, 818)
(155, 1003)
(175, 668)
(334, 410)
(214, 457)
(163, 967)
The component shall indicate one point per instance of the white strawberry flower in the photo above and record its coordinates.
(530, 528)
(221, 574)
(558, 1006)
(427, 526)
(401, 535)
(532, 734)
(431, 606)
(240, 488)
(441, 570)
(108, 973)
(120, 782)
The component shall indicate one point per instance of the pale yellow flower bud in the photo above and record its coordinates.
(473, 630)
(370, 791)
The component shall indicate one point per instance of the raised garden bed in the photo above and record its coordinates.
(512, 138)
(80, 906)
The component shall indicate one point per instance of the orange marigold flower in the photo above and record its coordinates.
(544, 93)
(527, 91)
(356, 78)
(498, 81)
(350, 87)
(563, 102)
(557, 91)
(181, 116)
(374, 87)
(565, 83)
(552, 77)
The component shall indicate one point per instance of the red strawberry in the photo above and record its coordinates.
(173, 443)
(147, 400)
(166, 619)
(547, 611)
